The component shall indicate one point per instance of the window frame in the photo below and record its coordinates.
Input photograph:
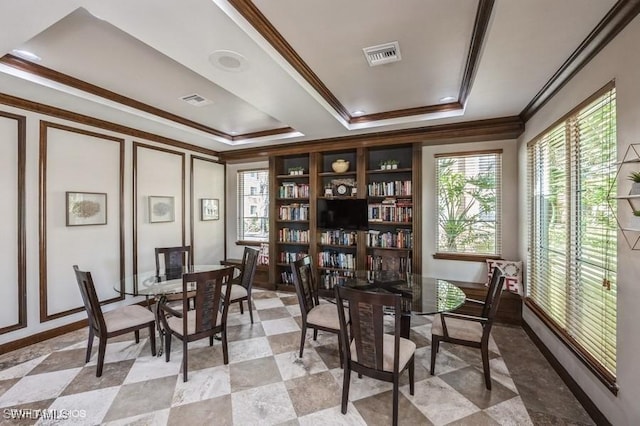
(573, 216)
(241, 238)
(469, 256)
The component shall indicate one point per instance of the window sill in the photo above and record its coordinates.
(250, 243)
(465, 257)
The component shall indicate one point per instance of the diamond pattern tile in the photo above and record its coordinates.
(266, 382)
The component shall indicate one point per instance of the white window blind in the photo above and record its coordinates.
(253, 205)
(469, 192)
(572, 231)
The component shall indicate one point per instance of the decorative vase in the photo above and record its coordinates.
(394, 166)
(635, 188)
(340, 166)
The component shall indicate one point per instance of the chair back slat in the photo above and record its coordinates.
(174, 259)
(249, 265)
(210, 303)
(490, 299)
(366, 312)
(305, 285)
(91, 302)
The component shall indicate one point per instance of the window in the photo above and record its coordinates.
(469, 193)
(572, 231)
(253, 205)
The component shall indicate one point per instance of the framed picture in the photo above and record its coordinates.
(161, 209)
(209, 209)
(86, 208)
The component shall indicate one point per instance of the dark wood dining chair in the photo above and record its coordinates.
(113, 323)
(171, 261)
(208, 318)
(392, 260)
(241, 286)
(314, 314)
(367, 349)
(469, 330)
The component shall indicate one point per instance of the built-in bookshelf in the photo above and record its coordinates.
(393, 208)
(289, 215)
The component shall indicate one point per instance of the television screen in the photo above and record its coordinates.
(343, 214)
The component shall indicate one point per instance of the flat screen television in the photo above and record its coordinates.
(343, 213)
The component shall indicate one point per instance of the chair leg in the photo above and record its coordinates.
(241, 308)
(485, 365)
(303, 335)
(167, 346)
(340, 350)
(315, 334)
(211, 340)
(152, 337)
(412, 366)
(185, 358)
(225, 349)
(345, 388)
(249, 306)
(102, 348)
(89, 344)
(137, 334)
(395, 400)
(434, 350)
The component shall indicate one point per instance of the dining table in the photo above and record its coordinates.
(156, 287)
(420, 295)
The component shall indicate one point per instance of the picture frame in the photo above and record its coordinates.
(85, 208)
(161, 209)
(209, 209)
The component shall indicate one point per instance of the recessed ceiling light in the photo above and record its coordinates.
(228, 60)
(448, 99)
(358, 112)
(25, 54)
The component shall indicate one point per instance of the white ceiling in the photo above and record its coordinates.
(154, 52)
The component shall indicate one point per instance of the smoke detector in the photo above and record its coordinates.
(196, 100)
(382, 53)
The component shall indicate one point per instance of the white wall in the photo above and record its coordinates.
(455, 269)
(235, 251)
(620, 61)
(88, 163)
(208, 236)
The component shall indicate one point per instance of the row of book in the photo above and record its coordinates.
(330, 279)
(293, 190)
(294, 212)
(390, 213)
(335, 259)
(290, 257)
(286, 278)
(339, 237)
(402, 238)
(289, 235)
(392, 188)
(379, 263)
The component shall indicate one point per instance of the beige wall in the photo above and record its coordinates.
(82, 162)
(619, 61)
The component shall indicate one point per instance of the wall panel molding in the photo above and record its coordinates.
(45, 126)
(136, 147)
(21, 261)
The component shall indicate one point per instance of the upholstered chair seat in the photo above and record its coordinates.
(325, 315)
(407, 349)
(458, 329)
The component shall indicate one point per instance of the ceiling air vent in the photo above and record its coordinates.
(196, 100)
(382, 53)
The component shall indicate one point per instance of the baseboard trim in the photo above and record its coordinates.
(41, 337)
(573, 386)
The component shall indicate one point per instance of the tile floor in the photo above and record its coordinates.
(267, 383)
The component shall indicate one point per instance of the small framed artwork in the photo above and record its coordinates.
(209, 209)
(86, 208)
(161, 209)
